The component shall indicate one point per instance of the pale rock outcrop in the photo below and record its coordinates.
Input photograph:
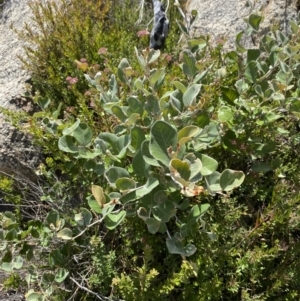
(16, 150)
(12, 76)
(224, 19)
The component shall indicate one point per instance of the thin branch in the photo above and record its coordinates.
(88, 290)
(141, 14)
(180, 10)
(91, 292)
(89, 226)
(149, 23)
(168, 4)
(74, 294)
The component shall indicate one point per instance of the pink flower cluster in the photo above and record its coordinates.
(102, 51)
(143, 33)
(71, 80)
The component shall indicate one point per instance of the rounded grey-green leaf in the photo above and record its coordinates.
(48, 278)
(225, 114)
(69, 130)
(52, 217)
(209, 165)
(7, 257)
(143, 213)
(147, 188)
(123, 64)
(66, 144)
(160, 196)
(18, 262)
(187, 133)
(148, 158)
(180, 167)
(113, 85)
(254, 21)
(189, 97)
(135, 106)
(213, 182)
(189, 63)
(197, 44)
(197, 211)
(153, 225)
(163, 140)
(156, 78)
(137, 137)
(65, 234)
(117, 110)
(175, 247)
(83, 134)
(125, 184)
(231, 179)
(34, 297)
(140, 166)
(114, 173)
(7, 266)
(94, 205)
(164, 211)
(61, 275)
(113, 220)
(153, 55)
(261, 167)
(86, 215)
(140, 58)
(179, 85)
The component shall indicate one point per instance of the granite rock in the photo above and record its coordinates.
(16, 150)
(224, 19)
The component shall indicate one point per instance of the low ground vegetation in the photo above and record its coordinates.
(167, 176)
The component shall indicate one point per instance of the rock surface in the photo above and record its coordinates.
(16, 150)
(224, 19)
(12, 77)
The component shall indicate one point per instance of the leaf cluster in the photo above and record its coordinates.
(202, 163)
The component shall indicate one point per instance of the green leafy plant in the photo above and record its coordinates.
(165, 156)
(201, 163)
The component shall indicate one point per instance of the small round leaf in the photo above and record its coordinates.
(231, 179)
(65, 234)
